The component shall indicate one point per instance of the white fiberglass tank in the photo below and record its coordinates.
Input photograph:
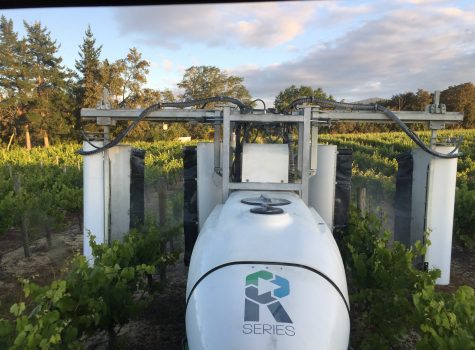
(266, 281)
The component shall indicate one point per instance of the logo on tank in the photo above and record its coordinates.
(262, 295)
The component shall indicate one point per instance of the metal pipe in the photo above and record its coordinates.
(217, 148)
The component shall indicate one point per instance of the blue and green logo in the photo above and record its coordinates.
(268, 298)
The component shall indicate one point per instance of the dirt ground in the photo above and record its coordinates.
(42, 267)
(161, 325)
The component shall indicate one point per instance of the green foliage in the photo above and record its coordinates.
(45, 195)
(461, 98)
(45, 327)
(375, 167)
(88, 66)
(447, 321)
(133, 71)
(15, 85)
(382, 278)
(464, 216)
(150, 245)
(290, 94)
(409, 101)
(51, 181)
(49, 109)
(91, 298)
(208, 81)
(33, 84)
(391, 299)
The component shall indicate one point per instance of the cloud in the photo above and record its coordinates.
(167, 65)
(421, 2)
(333, 12)
(399, 51)
(247, 24)
(292, 48)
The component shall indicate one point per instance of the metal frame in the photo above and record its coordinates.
(110, 116)
(304, 134)
(308, 120)
(378, 117)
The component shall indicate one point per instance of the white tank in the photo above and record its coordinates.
(260, 281)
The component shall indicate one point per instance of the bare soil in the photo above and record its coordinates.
(44, 265)
(161, 325)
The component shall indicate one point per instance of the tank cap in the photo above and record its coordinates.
(265, 201)
(267, 210)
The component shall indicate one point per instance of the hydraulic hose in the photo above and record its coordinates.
(260, 100)
(452, 154)
(203, 101)
(391, 115)
(146, 112)
(124, 133)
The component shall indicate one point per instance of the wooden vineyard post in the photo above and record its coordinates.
(10, 142)
(361, 200)
(162, 202)
(24, 226)
(27, 136)
(46, 139)
(79, 216)
(49, 240)
(162, 212)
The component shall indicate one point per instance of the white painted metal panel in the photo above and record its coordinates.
(94, 201)
(321, 194)
(265, 163)
(120, 172)
(440, 213)
(209, 184)
(433, 198)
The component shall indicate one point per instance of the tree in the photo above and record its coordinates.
(88, 66)
(124, 79)
(290, 94)
(424, 98)
(14, 82)
(133, 70)
(49, 107)
(145, 130)
(167, 95)
(112, 80)
(461, 98)
(406, 101)
(208, 81)
(409, 101)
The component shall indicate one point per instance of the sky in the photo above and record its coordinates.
(351, 49)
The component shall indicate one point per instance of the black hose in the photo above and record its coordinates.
(124, 133)
(387, 112)
(203, 101)
(416, 138)
(260, 100)
(327, 103)
(146, 112)
(86, 138)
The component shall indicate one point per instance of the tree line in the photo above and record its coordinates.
(457, 98)
(41, 98)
